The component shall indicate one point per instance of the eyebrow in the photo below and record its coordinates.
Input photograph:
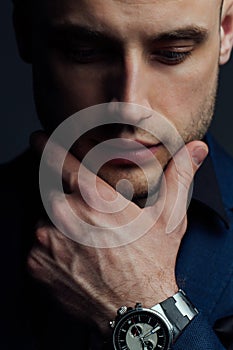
(192, 32)
(67, 30)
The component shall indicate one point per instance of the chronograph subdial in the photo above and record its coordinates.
(142, 330)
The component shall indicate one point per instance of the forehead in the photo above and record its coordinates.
(130, 16)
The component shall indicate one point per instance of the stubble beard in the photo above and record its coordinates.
(146, 188)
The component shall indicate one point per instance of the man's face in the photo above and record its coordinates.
(161, 54)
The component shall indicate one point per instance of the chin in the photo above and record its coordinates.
(140, 189)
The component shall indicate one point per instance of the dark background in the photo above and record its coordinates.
(18, 116)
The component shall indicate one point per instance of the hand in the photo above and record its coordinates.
(93, 283)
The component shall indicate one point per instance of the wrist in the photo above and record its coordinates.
(158, 293)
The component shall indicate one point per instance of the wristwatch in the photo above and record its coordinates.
(152, 329)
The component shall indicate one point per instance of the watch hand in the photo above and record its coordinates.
(138, 329)
(152, 331)
(143, 344)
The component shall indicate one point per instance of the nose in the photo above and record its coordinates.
(131, 85)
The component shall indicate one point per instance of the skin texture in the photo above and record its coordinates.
(133, 65)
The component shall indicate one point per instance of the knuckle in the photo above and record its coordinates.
(72, 181)
(42, 236)
(58, 208)
(88, 196)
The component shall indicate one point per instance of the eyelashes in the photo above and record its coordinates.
(172, 57)
(88, 55)
(93, 54)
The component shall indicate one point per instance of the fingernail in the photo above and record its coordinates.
(198, 155)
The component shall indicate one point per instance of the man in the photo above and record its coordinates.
(160, 56)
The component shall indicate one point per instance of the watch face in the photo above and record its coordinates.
(141, 330)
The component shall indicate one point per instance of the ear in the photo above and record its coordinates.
(23, 29)
(226, 32)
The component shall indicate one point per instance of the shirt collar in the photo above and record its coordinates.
(206, 190)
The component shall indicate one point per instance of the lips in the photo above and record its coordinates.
(128, 144)
(127, 152)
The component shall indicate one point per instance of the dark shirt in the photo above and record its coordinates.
(207, 192)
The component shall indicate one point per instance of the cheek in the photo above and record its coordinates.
(186, 89)
(79, 87)
(62, 89)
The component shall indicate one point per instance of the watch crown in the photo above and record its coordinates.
(122, 310)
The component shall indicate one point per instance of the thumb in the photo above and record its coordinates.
(178, 182)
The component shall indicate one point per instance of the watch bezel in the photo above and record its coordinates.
(137, 311)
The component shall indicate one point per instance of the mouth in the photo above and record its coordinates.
(127, 152)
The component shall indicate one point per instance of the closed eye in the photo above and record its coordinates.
(171, 57)
(88, 55)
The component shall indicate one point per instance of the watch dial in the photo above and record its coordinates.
(141, 330)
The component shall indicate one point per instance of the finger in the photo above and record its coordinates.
(178, 181)
(51, 242)
(75, 176)
(53, 155)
